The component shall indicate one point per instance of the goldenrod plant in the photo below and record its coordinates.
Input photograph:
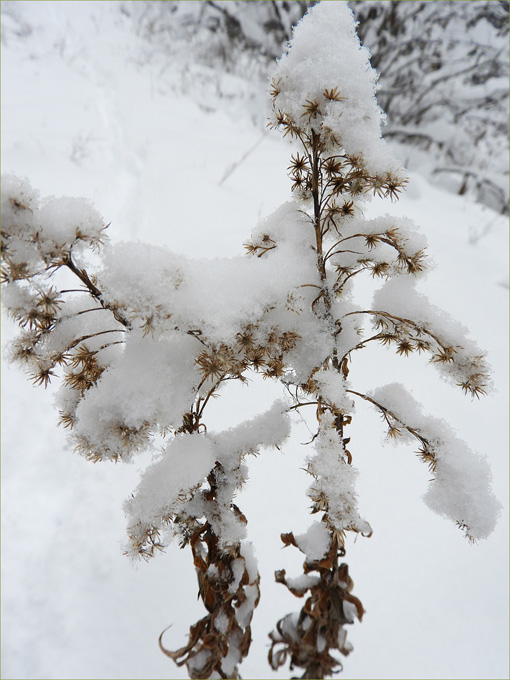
(140, 352)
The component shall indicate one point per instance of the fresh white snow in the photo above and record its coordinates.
(83, 116)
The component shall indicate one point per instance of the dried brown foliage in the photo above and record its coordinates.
(230, 592)
(317, 632)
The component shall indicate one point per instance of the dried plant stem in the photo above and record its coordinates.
(319, 632)
(94, 290)
(230, 594)
(390, 416)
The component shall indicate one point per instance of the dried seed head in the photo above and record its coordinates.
(380, 269)
(211, 365)
(332, 166)
(428, 457)
(67, 420)
(42, 375)
(298, 163)
(405, 347)
(275, 89)
(334, 95)
(311, 109)
(49, 301)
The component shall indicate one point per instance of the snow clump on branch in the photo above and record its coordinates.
(326, 69)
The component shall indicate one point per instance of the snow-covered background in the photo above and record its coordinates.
(88, 111)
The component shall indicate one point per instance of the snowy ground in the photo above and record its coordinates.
(82, 116)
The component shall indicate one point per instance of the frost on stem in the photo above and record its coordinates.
(140, 352)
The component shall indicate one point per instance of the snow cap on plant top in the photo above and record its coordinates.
(330, 86)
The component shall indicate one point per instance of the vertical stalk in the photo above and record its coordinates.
(315, 182)
(317, 218)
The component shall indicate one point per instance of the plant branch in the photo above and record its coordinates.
(94, 290)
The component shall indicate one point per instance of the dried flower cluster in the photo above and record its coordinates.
(140, 355)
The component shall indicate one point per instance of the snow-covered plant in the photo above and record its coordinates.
(141, 351)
